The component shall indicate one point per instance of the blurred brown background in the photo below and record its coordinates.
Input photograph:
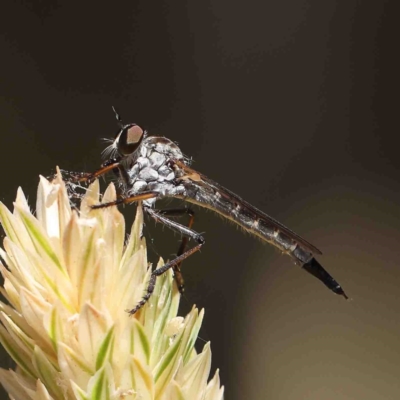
(291, 104)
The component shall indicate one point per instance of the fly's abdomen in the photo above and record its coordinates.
(264, 227)
(249, 218)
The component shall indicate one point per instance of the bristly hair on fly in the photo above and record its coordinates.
(110, 151)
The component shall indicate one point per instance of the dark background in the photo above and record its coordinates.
(292, 105)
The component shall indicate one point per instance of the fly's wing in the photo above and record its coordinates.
(201, 180)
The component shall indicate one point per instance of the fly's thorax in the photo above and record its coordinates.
(152, 168)
(164, 146)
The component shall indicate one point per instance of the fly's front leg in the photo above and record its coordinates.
(158, 217)
(89, 177)
(74, 180)
(179, 212)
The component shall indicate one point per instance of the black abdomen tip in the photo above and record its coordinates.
(315, 268)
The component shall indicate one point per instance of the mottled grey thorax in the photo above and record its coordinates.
(150, 169)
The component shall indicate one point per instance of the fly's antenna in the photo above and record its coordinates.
(117, 117)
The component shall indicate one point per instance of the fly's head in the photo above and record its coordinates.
(128, 139)
(125, 143)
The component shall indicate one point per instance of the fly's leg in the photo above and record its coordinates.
(75, 180)
(127, 200)
(158, 217)
(179, 212)
(89, 177)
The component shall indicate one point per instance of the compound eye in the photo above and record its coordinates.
(129, 139)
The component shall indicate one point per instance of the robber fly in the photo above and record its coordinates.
(150, 168)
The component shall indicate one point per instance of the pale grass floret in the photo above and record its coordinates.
(68, 280)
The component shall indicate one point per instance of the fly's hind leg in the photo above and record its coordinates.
(179, 212)
(188, 232)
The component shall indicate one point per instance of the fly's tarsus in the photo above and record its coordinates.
(176, 262)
